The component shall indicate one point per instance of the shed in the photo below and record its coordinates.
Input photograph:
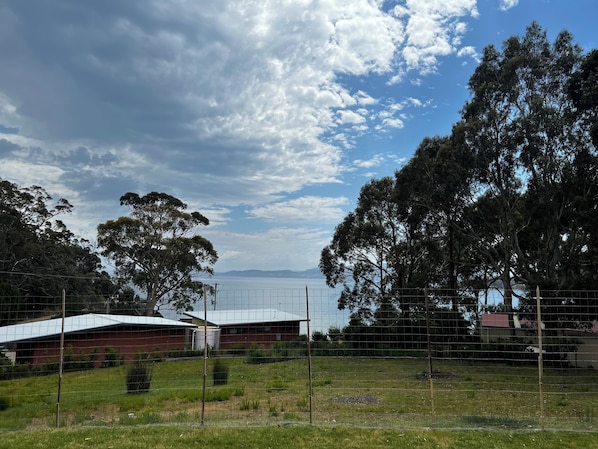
(242, 328)
(495, 326)
(38, 342)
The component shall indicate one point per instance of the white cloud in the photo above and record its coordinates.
(350, 117)
(278, 248)
(374, 161)
(468, 51)
(505, 5)
(432, 28)
(392, 123)
(303, 209)
(227, 105)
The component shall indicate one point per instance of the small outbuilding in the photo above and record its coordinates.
(578, 346)
(242, 328)
(38, 343)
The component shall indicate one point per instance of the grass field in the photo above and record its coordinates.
(175, 437)
(387, 396)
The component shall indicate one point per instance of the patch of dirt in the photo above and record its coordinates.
(358, 399)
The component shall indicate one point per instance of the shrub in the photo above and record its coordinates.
(4, 404)
(139, 376)
(111, 358)
(257, 354)
(184, 353)
(318, 336)
(236, 349)
(220, 372)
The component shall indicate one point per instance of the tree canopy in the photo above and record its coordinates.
(509, 198)
(39, 257)
(157, 251)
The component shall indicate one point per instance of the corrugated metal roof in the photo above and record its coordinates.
(80, 323)
(246, 316)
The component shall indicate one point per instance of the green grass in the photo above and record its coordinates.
(291, 437)
(349, 392)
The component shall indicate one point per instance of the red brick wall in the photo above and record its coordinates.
(128, 343)
(263, 334)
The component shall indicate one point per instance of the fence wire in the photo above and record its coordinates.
(424, 358)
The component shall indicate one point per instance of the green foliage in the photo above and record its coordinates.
(156, 250)
(184, 353)
(33, 240)
(4, 404)
(257, 354)
(111, 358)
(214, 395)
(509, 196)
(246, 404)
(318, 336)
(79, 361)
(335, 333)
(294, 437)
(220, 372)
(139, 376)
(236, 349)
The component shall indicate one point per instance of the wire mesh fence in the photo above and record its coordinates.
(281, 355)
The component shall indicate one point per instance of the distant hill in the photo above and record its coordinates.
(312, 273)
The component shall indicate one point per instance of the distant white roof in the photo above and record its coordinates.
(80, 323)
(246, 316)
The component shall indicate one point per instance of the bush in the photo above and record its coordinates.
(111, 358)
(257, 354)
(220, 372)
(4, 404)
(139, 376)
(236, 349)
(184, 353)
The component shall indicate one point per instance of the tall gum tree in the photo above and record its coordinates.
(40, 257)
(520, 127)
(157, 250)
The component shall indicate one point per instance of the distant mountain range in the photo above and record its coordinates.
(312, 273)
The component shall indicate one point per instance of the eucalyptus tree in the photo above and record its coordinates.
(40, 257)
(376, 254)
(157, 250)
(437, 186)
(521, 129)
(583, 90)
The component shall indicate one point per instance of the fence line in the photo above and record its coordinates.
(434, 360)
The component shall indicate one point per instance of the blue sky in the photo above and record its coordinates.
(266, 116)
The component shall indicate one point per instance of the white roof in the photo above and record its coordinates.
(80, 323)
(247, 316)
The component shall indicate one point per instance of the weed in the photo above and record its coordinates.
(246, 404)
(302, 404)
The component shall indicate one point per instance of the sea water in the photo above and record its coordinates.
(291, 295)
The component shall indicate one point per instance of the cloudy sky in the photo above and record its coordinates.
(266, 116)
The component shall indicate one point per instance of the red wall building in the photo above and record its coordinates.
(242, 328)
(38, 343)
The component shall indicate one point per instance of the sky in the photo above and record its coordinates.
(265, 116)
